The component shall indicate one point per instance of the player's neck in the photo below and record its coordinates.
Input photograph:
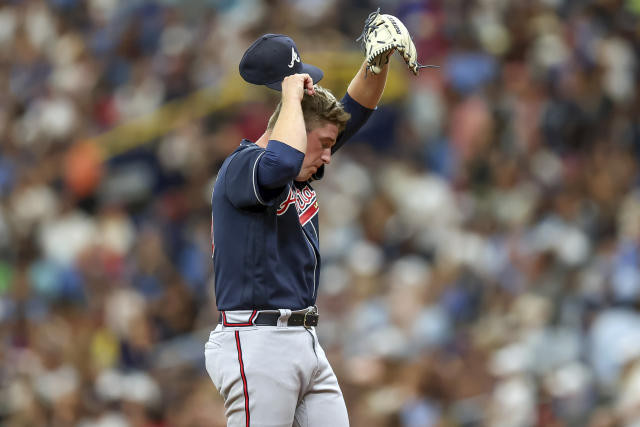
(264, 139)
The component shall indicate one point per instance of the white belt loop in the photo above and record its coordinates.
(285, 313)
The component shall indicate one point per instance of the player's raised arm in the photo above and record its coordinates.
(289, 127)
(366, 88)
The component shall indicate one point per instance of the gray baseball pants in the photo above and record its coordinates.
(275, 376)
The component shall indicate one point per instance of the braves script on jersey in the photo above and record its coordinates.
(304, 201)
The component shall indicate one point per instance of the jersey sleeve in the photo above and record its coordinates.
(359, 116)
(241, 179)
(255, 176)
(280, 164)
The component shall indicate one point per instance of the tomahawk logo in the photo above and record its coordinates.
(294, 57)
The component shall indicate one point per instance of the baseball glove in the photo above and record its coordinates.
(381, 35)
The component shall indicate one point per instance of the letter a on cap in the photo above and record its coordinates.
(294, 57)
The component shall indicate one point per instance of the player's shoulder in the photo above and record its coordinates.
(236, 163)
(241, 158)
(246, 147)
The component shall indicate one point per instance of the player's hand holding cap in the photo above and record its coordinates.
(271, 58)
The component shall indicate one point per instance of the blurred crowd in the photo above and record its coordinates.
(480, 235)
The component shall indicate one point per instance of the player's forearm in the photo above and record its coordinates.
(289, 127)
(366, 88)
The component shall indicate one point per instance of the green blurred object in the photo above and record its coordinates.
(634, 6)
(6, 274)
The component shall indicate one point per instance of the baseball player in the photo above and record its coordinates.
(264, 356)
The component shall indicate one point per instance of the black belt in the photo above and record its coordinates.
(307, 319)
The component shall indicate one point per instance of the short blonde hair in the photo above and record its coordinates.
(318, 109)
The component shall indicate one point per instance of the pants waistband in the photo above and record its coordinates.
(282, 317)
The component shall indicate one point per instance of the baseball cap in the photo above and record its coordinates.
(271, 58)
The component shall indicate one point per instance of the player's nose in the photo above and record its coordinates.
(326, 156)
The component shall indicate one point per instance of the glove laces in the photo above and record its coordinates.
(368, 26)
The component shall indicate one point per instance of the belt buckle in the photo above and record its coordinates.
(304, 321)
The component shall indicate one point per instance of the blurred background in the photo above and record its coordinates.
(480, 235)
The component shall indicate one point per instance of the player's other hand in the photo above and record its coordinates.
(295, 86)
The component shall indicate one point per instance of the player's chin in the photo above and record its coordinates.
(306, 174)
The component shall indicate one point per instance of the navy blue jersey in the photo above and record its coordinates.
(266, 252)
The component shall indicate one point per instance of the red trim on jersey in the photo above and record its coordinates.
(249, 323)
(244, 379)
(309, 213)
